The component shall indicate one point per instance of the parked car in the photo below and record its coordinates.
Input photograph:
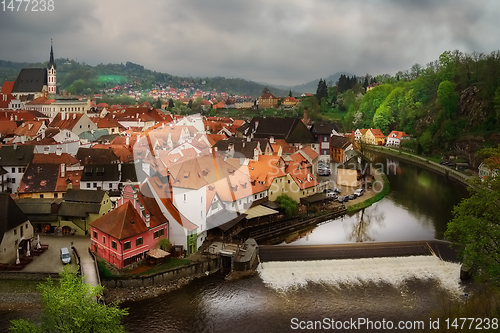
(444, 162)
(343, 199)
(359, 192)
(65, 256)
(352, 196)
(331, 195)
(337, 190)
(324, 172)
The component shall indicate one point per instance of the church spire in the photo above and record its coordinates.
(51, 61)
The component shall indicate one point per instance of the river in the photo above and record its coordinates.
(418, 207)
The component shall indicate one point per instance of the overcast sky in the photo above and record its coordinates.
(280, 41)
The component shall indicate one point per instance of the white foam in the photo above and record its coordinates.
(286, 275)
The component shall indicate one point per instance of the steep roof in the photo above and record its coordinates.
(54, 158)
(30, 80)
(96, 156)
(323, 128)
(11, 216)
(29, 128)
(16, 155)
(7, 128)
(39, 178)
(89, 196)
(240, 145)
(101, 172)
(7, 87)
(121, 223)
(290, 129)
(397, 134)
(69, 122)
(377, 133)
(337, 141)
(309, 152)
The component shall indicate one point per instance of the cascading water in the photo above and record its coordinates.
(284, 276)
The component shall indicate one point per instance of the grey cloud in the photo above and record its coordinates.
(284, 42)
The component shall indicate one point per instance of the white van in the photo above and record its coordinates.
(65, 255)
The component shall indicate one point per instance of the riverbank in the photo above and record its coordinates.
(423, 162)
(19, 294)
(375, 195)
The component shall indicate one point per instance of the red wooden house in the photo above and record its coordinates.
(124, 236)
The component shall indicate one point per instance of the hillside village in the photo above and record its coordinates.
(128, 176)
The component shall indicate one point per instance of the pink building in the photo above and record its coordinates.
(124, 236)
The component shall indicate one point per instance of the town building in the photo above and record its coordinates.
(16, 230)
(395, 137)
(124, 236)
(14, 160)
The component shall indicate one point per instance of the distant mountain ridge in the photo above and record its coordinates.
(81, 78)
(311, 86)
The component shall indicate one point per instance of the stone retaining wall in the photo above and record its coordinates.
(193, 270)
(422, 161)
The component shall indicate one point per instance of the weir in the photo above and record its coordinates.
(348, 273)
(439, 248)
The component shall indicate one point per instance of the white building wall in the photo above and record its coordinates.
(8, 248)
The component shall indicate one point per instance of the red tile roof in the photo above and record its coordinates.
(397, 134)
(377, 133)
(53, 158)
(29, 128)
(121, 223)
(69, 121)
(7, 127)
(7, 87)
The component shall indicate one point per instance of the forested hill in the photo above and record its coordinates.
(80, 78)
(451, 105)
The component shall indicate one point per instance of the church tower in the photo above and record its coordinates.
(51, 72)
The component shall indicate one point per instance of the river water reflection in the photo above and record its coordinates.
(417, 208)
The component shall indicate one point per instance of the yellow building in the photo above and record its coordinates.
(267, 101)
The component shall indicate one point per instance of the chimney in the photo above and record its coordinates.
(249, 138)
(271, 140)
(15, 146)
(308, 177)
(69, 95)
(148, 219)
(74, 115)
(62, 115)
(256, 154)
(63, 170)
(127, 141)
(306, 120)
(58, 151)
(256, 124)
(216, 148)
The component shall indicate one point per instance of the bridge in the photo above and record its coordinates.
(358, 250)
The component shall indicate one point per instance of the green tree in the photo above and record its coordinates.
(289, 206)
(290, 94)
(321, 91)
(164, 244)
(190, 104)
(448, 98)
(426, 141)
(69, 306)
(476, 227)
(158, 103)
